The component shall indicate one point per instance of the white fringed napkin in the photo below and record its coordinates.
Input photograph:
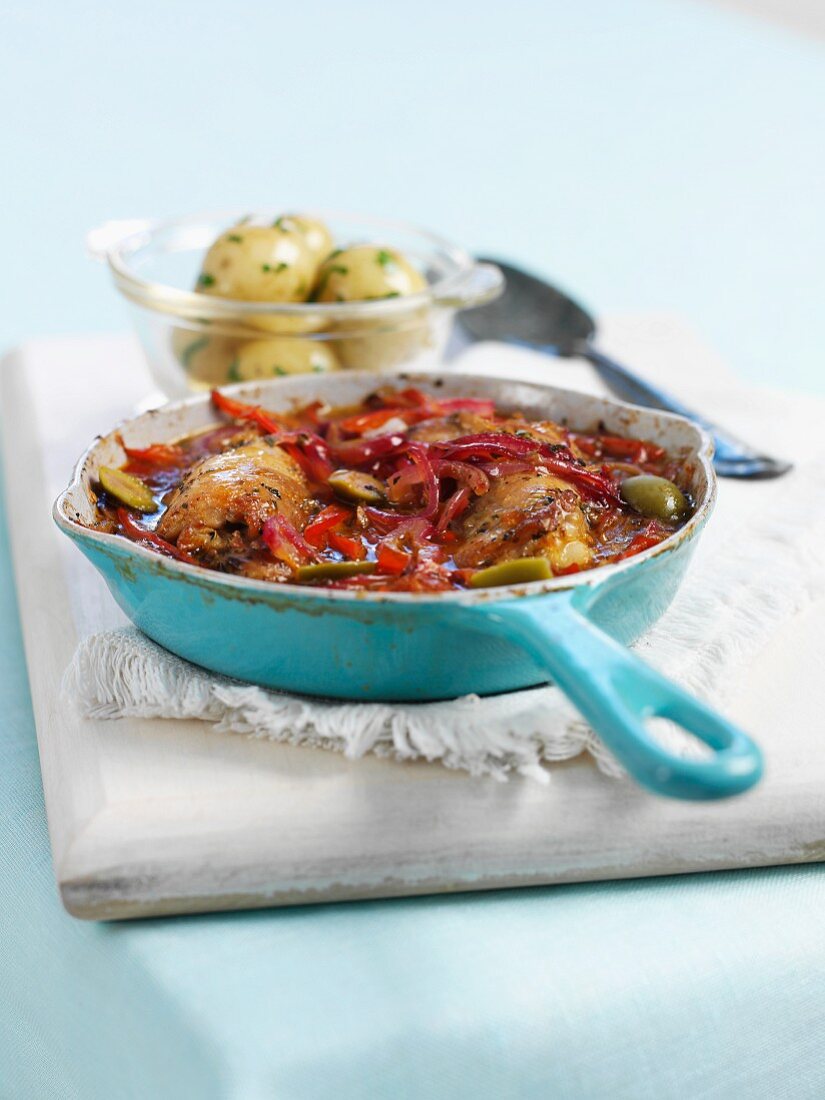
(758, 564)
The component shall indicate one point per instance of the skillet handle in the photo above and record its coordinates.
(616, 693)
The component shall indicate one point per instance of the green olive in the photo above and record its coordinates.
(129, 490)
(357, 487)
(655, 497)
(333, 570)
(516, 571)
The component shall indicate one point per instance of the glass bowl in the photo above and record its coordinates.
(195, 341)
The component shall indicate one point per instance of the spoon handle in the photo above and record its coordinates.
(732, 457)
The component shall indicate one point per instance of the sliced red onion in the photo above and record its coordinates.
(474, 477)
(558, 459)
(453, 507)
(362, 451)
(278, 534)
(418, 454)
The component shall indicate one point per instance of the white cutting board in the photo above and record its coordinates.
(153, 817)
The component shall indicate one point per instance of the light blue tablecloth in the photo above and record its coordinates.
(651, 154)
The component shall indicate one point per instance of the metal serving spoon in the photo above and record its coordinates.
(532, 312)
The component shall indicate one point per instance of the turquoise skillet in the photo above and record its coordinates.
(387, 646)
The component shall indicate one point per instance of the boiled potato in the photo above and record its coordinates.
(260, 263)
(369, 272)
(384, 348)
(283, 263)
(285, 325)
(316, 234)
(205, 359)
(270, 358)
(366, 272)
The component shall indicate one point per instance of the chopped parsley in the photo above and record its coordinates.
(279, 371)
(233, 372)
(205, 279)
(275, 269)
(384, 258)
(279, 224)
(236, 238)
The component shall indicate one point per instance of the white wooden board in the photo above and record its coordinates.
(169, 817)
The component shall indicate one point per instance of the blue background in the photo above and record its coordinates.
(649, 154)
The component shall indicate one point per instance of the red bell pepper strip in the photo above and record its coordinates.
(391, 560)
(616, 446)
(369, 421)
(651, 536)
(587, 444)
(412, 397)
(353, 549)
(637, 450)
(136, 533)
(316, 531)
(158, 454)
(253, 414)
(418, 407)
(307, 449)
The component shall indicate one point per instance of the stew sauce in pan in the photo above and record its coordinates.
(405, 492)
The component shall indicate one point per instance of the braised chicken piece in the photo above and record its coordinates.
(223, 501)
(525, 514)
(528, 513)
